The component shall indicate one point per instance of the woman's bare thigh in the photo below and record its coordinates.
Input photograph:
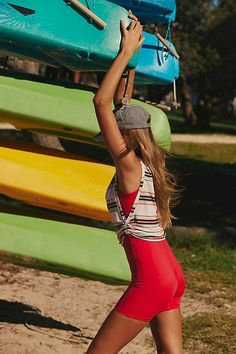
(116, 331)
(166, 329)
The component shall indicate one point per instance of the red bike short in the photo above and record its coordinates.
(157, 283)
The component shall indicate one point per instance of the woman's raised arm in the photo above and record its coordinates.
(131, 40)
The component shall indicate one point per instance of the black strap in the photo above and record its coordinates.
(124, 100)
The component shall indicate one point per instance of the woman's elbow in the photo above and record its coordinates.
(100, 101)
(96, 101)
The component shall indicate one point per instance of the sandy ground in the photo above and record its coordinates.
(63, 306)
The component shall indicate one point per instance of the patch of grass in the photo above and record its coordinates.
(212, 259)
(212, 333)
(217, 153)
(215, 287)
(201, 250)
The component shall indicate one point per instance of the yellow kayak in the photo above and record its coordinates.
(63, 182)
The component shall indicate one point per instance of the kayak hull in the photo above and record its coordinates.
(62, 109)
(156, 64)
(62, 182)
(62, 247)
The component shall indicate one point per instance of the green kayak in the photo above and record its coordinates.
(63, 247)
(63, 110)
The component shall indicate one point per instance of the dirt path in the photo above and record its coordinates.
(65, 304)
(204, 138)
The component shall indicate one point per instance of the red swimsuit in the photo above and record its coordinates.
(158, 282)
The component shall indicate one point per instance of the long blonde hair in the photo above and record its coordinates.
(165, 185)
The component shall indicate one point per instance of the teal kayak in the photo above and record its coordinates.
(66, 112)
(156, 65)
(57, 33)
(63, 247)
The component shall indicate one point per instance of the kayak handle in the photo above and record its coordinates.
(89, 13)
(159, 105)
(175, 54)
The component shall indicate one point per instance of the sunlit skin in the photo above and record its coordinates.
(118, 330)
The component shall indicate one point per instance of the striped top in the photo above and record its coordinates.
(142, 221)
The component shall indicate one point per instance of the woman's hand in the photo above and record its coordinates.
(132, 38)
(132, 16)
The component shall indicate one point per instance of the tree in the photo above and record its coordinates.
(203, 34)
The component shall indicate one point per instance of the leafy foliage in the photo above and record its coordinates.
(203, 33)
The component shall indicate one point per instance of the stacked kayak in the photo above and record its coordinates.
(61, 181)
(67, 112)
(62, 247)
(58, 185)
(56, 34)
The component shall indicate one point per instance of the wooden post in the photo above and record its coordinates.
(89, 13)
(175, 104)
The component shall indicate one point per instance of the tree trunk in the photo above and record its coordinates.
(187, 107)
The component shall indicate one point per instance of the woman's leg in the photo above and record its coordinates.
(116, 331)
(166, 329)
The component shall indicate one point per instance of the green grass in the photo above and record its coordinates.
(215, 287)
(214, 153)
(211, 333)
(203, 255)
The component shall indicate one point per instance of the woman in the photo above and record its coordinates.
(138, 199)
